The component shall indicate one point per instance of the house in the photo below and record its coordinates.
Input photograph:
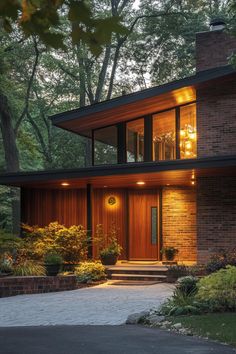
(164, 164)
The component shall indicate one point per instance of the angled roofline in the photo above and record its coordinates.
(198, 78)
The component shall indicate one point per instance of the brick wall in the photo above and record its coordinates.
(216, 120)
(179, 221)
(213, 49)
(10, 286)
(216, 215)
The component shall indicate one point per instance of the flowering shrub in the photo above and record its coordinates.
(90, 271)
(71, 243)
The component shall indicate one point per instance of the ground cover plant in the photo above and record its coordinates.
(90, 272)
(213, 293)
(205, 306)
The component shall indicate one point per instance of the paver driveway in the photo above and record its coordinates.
(100, 305)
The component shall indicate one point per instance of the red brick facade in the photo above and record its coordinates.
(216, 215)
(179, 221)
(213, 49)
(216, 120)
(216, 130)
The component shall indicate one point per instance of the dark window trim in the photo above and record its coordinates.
(148, 154)
(148, 131)
(121, 143)
(177, 133)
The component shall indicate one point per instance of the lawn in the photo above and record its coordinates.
(217, 326)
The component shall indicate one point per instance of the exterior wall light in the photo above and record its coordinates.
(111, 200)
(65, 184)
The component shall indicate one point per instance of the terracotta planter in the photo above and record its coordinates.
(110, 259)
(52, 269)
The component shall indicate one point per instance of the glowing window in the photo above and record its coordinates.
(188, 132)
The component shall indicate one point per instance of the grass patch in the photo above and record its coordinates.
(217, 326)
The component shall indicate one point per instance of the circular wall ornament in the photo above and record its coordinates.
(112, 200)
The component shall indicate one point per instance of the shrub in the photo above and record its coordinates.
(9, 243)
(71, 243)
(53, 258)
(187, 285)
(218, 290)
(6, 263)
(221, 260)
(177, 271)
(180, 304)
(28, 268)
(90, 271)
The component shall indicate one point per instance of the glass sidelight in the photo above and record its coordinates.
(154, 225)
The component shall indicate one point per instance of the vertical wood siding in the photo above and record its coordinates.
(42, 206)
(108, 215)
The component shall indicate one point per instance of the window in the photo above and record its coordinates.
(105, 145)
(154, 220)
(135, 140)
(163, 138)
(188, 132)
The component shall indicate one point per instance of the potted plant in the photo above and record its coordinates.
(53, 262)
(109, 248)
(109, 255)
(169, 253)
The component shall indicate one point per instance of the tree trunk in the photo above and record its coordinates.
(11, 157)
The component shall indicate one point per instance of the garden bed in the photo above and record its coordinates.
(10, 286)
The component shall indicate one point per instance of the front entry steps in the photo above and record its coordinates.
(136, 275)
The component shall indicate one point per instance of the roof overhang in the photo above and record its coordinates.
(140, 103)
(177, 172)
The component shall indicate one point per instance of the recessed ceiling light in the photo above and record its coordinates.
(168, 184)
(65, 184)
(193, 182)
(140, 183)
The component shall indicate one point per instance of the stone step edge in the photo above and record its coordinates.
(138, 276)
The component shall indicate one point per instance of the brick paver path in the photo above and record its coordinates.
(99, 305)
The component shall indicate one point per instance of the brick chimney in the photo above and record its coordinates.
(213, 48)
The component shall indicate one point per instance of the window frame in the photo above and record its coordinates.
(148, 130)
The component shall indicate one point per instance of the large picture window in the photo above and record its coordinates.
(135, 140)
(105, 145)
(188, 132)
(163, 136)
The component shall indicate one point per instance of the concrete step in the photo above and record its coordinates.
(136, 270)
(141, 277)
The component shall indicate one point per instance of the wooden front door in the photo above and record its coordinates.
(143, 225)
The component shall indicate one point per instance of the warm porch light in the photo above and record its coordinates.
(111, 200)
(140, 183)
(65, 184)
